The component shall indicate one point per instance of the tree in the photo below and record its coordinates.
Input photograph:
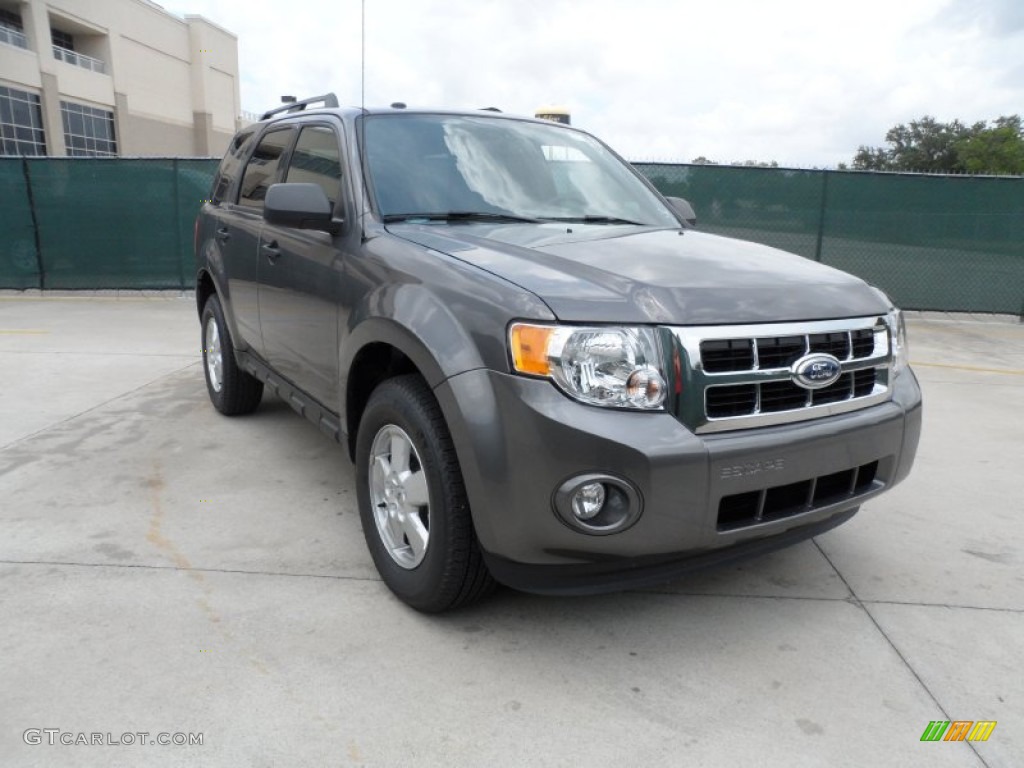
(930, 146)
(872, 159)
(999, 149)
(924, 145)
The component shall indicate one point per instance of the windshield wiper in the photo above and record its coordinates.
(593, 219)
(459, 216)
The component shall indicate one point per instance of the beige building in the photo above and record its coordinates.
(114, 77)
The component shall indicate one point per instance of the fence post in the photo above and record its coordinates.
(821, 215)
(177, 227)
(35, 221)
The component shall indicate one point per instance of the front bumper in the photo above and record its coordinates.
(519, 439)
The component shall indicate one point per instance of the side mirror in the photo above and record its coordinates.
(299, 205)
(684, 209)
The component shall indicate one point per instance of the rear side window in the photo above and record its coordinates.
(317, 160)
(231, 165)
(264, 167)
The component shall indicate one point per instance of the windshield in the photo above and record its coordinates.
(466, 167)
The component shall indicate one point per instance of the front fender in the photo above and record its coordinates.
(413, 320)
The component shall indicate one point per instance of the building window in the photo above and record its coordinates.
(11, 31)
(10, 19)
(88, 132)
(21, 123)
(63, 39)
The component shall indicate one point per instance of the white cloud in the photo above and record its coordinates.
(800, 82)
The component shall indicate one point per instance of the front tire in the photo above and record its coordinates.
(232, 390)
(412, 500)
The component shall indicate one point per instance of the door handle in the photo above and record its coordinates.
(271, 250)
(223, 235)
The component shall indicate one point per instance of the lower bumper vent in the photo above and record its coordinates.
(781, 501)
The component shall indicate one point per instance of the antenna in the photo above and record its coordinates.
(361, 120)
(362, 54)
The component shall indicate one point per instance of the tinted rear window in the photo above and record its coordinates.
(264, 166)
(231, 164)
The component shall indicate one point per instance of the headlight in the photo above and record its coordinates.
(613, 367)
(898, 334)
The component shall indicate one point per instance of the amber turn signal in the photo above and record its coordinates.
(530, 348)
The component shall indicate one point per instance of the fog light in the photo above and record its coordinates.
(588, 501)
(597, 504)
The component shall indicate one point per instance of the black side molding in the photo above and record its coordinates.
(327, 421)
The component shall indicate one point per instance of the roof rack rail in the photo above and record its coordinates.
(330, 101)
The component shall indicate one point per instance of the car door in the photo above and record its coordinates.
(220, 230)
(300, 271)
(238, 232)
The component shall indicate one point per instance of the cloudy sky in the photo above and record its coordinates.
(801, 83)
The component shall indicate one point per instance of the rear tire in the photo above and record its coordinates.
(412, 500)
(232, 390)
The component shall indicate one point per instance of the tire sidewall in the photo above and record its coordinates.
(419, 586)
(212, 313)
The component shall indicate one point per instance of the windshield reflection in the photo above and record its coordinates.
(466, 168)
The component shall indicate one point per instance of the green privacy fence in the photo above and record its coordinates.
(952, 243)
(99, 222)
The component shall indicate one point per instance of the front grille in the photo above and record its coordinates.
(742, 399)
(740, 510)
(747, 379)
(780, 352)
(835, 344)
(724, 355)
(724, 402)
(782, 396)
(863, 342)
(841, 390)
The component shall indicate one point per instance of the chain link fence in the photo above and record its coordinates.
(953, 243)
(72, 223)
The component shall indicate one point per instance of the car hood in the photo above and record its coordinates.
(628, 274)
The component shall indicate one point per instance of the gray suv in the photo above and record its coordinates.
(546, 377)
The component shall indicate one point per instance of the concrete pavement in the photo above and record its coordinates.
(164, 569)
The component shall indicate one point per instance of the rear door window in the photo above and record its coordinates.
(231, 165)
(264, 167)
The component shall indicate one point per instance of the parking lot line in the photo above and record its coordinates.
(172, 296)
(971, 368)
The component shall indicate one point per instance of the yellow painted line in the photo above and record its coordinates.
(972, 368)
(27, 332)
(93, 298)
(1003, 330)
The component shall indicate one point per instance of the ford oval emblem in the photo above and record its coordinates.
(816, 371)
